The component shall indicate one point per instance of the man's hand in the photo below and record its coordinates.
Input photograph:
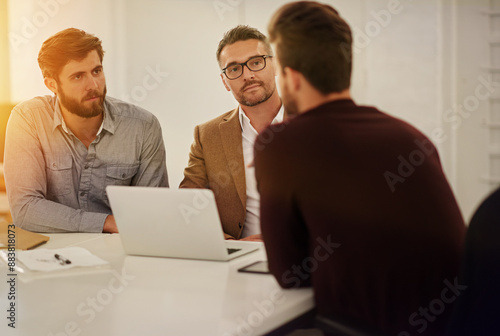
(110, 225)
(255, 238)
(228, 237)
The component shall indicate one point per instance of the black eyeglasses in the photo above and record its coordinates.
(256, 63)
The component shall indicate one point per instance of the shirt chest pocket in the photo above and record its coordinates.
(120, 174)
(59, 175)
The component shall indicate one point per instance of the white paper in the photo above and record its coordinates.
(44, 259)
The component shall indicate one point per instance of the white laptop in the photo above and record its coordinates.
(175, 223)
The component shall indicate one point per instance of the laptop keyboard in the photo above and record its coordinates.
(232, 250)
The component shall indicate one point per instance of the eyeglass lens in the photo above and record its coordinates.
(254, 64)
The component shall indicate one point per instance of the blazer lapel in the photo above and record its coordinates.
(230, 130)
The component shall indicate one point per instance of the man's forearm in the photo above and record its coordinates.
(46, 216)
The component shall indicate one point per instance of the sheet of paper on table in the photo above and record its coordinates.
(45, 260)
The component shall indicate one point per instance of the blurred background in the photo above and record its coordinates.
(433, 63)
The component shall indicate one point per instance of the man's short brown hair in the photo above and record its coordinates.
(65, 46)
(313, 39)
(242, 33)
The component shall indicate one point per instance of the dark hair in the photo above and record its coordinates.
(313, 39)
(242, 33)
(65, 46)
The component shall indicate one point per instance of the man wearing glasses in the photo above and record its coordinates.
(221, 156)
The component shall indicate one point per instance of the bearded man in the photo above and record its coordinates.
(62, 151)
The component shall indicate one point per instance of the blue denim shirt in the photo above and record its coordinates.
(55, 184)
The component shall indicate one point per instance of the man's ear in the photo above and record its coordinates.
(224, 82)
(51, 84)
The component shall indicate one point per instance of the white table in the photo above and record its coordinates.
(149, 296)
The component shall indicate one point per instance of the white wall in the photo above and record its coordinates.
(409, 61)
(473, 137)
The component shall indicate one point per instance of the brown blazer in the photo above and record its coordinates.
(216, 162)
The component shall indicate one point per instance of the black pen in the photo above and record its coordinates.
(61, 259)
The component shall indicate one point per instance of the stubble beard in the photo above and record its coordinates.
(253, 101)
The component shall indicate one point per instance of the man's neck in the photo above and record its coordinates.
(313, 99)
(262, 115)
(85, 129)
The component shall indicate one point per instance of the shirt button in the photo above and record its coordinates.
(123, 175)
(82, 193)
(54, 165)
(86, 167)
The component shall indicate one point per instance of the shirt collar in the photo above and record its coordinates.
(107, 122)
(245, 121)
(58, 118)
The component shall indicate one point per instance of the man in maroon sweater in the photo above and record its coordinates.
(354, 202)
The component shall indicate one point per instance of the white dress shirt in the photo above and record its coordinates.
(248, 134)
